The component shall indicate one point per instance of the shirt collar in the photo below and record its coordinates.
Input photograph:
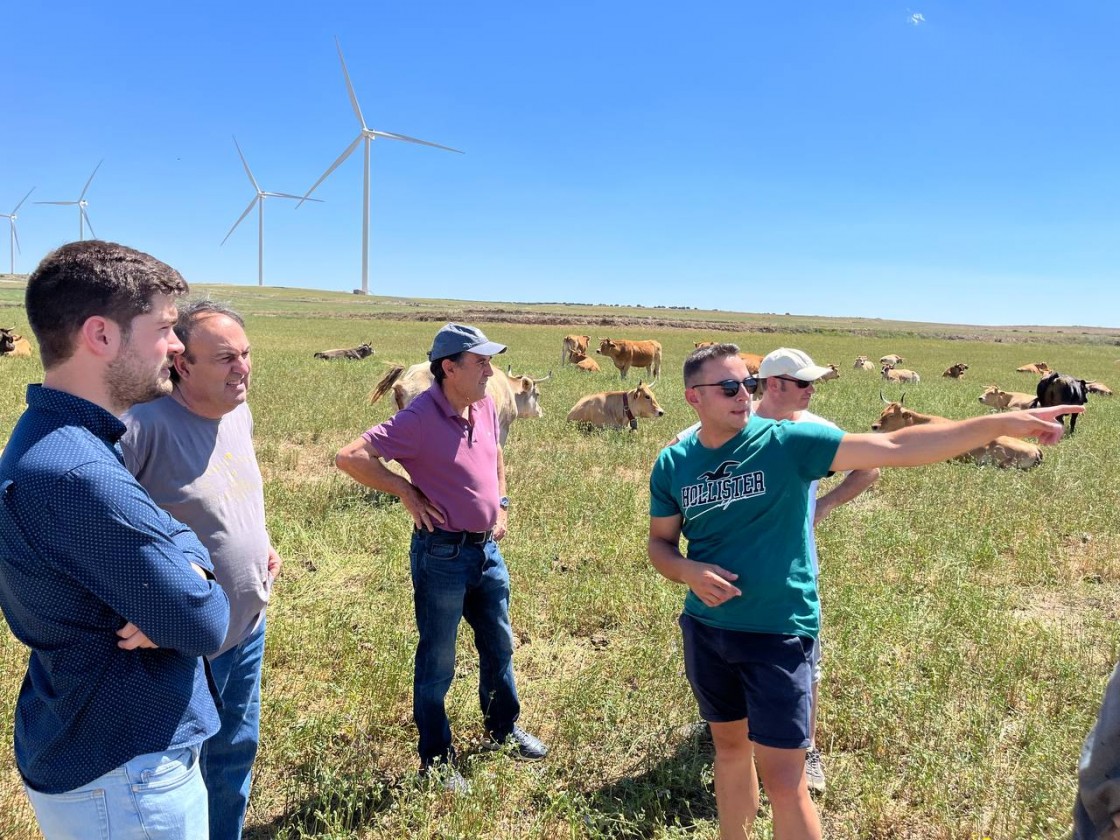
(99, 421)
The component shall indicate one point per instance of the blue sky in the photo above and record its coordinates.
(927, 161)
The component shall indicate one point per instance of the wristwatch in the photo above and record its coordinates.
(503, 503)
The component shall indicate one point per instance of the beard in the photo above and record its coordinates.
(131, 382)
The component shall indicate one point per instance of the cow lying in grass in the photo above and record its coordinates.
(362, 351)
(13, 344)
(1001, 400)
(616, 408)
(1002, 452)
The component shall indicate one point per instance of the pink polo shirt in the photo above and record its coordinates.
(453, 461)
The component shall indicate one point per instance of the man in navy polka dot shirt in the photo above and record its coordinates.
(115, 598)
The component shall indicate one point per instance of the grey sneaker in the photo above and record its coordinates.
(525, 746)
(814, 770)
(448, 777)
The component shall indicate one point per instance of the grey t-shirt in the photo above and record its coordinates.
(204, 473)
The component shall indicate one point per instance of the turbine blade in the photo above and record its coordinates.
(54, 202)
(349, 150)
(245, 163)
(85, 216)
(389, 135)
(15, 236)
(22, 200)
(90, 181)
(248, 210)
(289, 195)
(350, 87)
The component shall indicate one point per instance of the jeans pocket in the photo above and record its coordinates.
(172, 769)
(83, 813)
(442, 550)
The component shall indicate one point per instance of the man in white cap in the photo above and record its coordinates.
(737, 490)
(447, 439)
(786, 383)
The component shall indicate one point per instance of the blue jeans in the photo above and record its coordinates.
(227, 757)
(452, 581)
(153, 795)
(1098, 791)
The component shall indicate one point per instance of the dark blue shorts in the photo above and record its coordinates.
(764, 678)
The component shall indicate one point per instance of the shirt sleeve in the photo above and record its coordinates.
(661, 499)
(108, 534)
(398, 438)
(812, 447)
(136, 446)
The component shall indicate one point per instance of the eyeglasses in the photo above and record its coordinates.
(800, 383)
(731, 386)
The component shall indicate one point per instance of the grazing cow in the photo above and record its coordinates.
(616, 408)
(956, 371)
(893, 374)
(13, 344)
(1058, 389)
(1096, 387)
(700, 344)
(832, 373)
(1039, 368)
(573, 345)
(584, 363)
(892, 360)
(863, 363)
(514, 396)
(628, 354)
(360, 352)
(1002, 452)
(1006, 400)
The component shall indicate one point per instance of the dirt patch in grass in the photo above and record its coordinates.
(1094, 558)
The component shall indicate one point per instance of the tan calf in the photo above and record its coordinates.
(574, 344)
(584, 363)
(864, 363)
(1006, 400)
(1040, 368)
(627, 354)
(1096, 387)
(893, 374)
(616, 408)
(892, 360)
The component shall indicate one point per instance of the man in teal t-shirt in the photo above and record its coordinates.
(738, 491)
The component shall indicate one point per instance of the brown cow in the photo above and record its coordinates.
(1096, 387)
(832, 373)
(1002, 452)
(1006, 400)
(362, 351)
(893, 374)
(1040, 368)
(514, 396)
(14, 344)
(891, 359)
(956, 371)
(616, 408)
(752, 361)
(585, 363)
(863, 363)
(628, 354)
(700, 344)
(573, 345)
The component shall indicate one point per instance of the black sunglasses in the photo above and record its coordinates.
(800, 383)
(731, 386)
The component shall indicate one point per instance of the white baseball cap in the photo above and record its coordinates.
(792, 363)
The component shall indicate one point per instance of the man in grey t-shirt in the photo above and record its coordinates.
(193, 452)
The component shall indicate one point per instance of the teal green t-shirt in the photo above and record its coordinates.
(745, 508)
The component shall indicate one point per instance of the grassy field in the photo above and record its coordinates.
(969, 613)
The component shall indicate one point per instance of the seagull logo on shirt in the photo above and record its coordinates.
(722, 471)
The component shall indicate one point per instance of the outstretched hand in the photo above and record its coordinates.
(1041, 423)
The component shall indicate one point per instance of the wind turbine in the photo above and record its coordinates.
(13, 237)
(368, 135)
(258, 199)
(83, 217)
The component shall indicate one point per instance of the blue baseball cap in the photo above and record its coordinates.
(455, 338)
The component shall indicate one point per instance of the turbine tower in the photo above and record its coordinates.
(258, 199)
(83, 217)
(13, 237)
(368, 135)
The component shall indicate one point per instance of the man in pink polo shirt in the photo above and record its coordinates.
(447, 439)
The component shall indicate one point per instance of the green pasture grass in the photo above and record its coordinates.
(969, 614)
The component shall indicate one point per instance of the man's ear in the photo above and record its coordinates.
(691, 397)
(180, 363)
(100, 336)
